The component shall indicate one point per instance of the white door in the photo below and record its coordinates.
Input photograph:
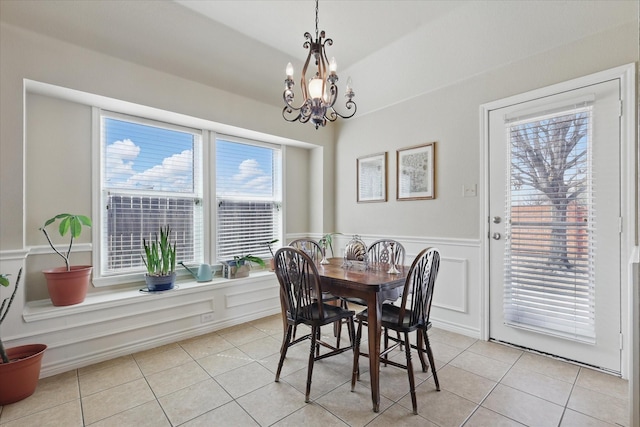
(554, 204)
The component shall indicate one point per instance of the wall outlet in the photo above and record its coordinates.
(206, 317)
(469, 190)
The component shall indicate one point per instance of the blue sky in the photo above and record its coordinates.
(150, 158)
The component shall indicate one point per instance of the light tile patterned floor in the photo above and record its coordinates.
(227, 378)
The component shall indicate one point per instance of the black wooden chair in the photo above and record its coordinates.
(411, 315)
(316, 253)
(300, 284)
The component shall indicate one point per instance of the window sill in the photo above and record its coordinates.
(35, 311)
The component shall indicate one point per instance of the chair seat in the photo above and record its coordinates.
(332, 313)
(389, 319)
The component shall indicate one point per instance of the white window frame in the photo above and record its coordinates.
(278, 190)
(208, 191)
(102, 277)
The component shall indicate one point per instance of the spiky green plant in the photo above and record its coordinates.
(68, 223)
(4, 309)
(159, 255)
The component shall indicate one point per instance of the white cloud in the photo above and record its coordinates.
(120, 157)
(175, 173)
(247, 169)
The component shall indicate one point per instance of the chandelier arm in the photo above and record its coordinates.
(286, 110)
(350, 104)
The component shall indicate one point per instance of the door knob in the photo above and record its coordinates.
(496, 220)
(496, 236)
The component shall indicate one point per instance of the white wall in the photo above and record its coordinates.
(45, 149)
(450, 117)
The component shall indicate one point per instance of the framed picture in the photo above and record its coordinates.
(372, 178)
(416, 172)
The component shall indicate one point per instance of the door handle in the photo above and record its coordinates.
(496, 236)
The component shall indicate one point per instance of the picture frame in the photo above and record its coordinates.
(371, 185)
(415, 168)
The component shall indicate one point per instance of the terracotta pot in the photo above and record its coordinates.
(19, 377)
(68, 287)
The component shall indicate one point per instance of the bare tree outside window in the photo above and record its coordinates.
(548, 168)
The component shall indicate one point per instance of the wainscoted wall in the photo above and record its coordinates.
(110, 324)
(457, 304)
(113, 324)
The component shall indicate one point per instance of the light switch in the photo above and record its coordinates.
(469, 190)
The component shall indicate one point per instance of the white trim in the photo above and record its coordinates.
(43, 309)
(46, 249)
(134, 109)
(14, 255)
(626, 74)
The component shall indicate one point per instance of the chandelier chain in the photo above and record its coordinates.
(317, 20)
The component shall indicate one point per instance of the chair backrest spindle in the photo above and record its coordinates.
(309, 247)
(418, 288)
(379, 251)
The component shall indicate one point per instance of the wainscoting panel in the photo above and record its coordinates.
(456, 305)
(453, 271)
(111, 324)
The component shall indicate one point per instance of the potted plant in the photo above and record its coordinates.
(160, 259)
(239, 267)
(270, 246)
(19, 366)
(69, 284)
(325, 242)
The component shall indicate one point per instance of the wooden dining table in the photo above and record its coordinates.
(374, 285)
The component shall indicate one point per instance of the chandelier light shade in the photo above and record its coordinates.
(319, 92)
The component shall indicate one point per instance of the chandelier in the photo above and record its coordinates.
(320, 91)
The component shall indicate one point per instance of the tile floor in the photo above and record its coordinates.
(227, 378)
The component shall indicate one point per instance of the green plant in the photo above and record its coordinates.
(68, 224)
(239, 260)
(270, 244)
(4, 309)
(159, 256)
(326, 241)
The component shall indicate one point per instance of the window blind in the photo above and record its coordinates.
(248, 197)
(151, 177)
(549, 268)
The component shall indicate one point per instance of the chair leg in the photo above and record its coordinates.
(412, 383)
(283, 351)
(356, 357)
(420, 347)
(386, 344)
(312, 350)
(430, 356)
(337, 326)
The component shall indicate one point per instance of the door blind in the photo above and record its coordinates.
(549, 268)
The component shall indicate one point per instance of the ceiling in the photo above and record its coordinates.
(242, 46)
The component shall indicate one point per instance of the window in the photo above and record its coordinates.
(153, 174)
(248, 197)
(150, 176)
(549, 269)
